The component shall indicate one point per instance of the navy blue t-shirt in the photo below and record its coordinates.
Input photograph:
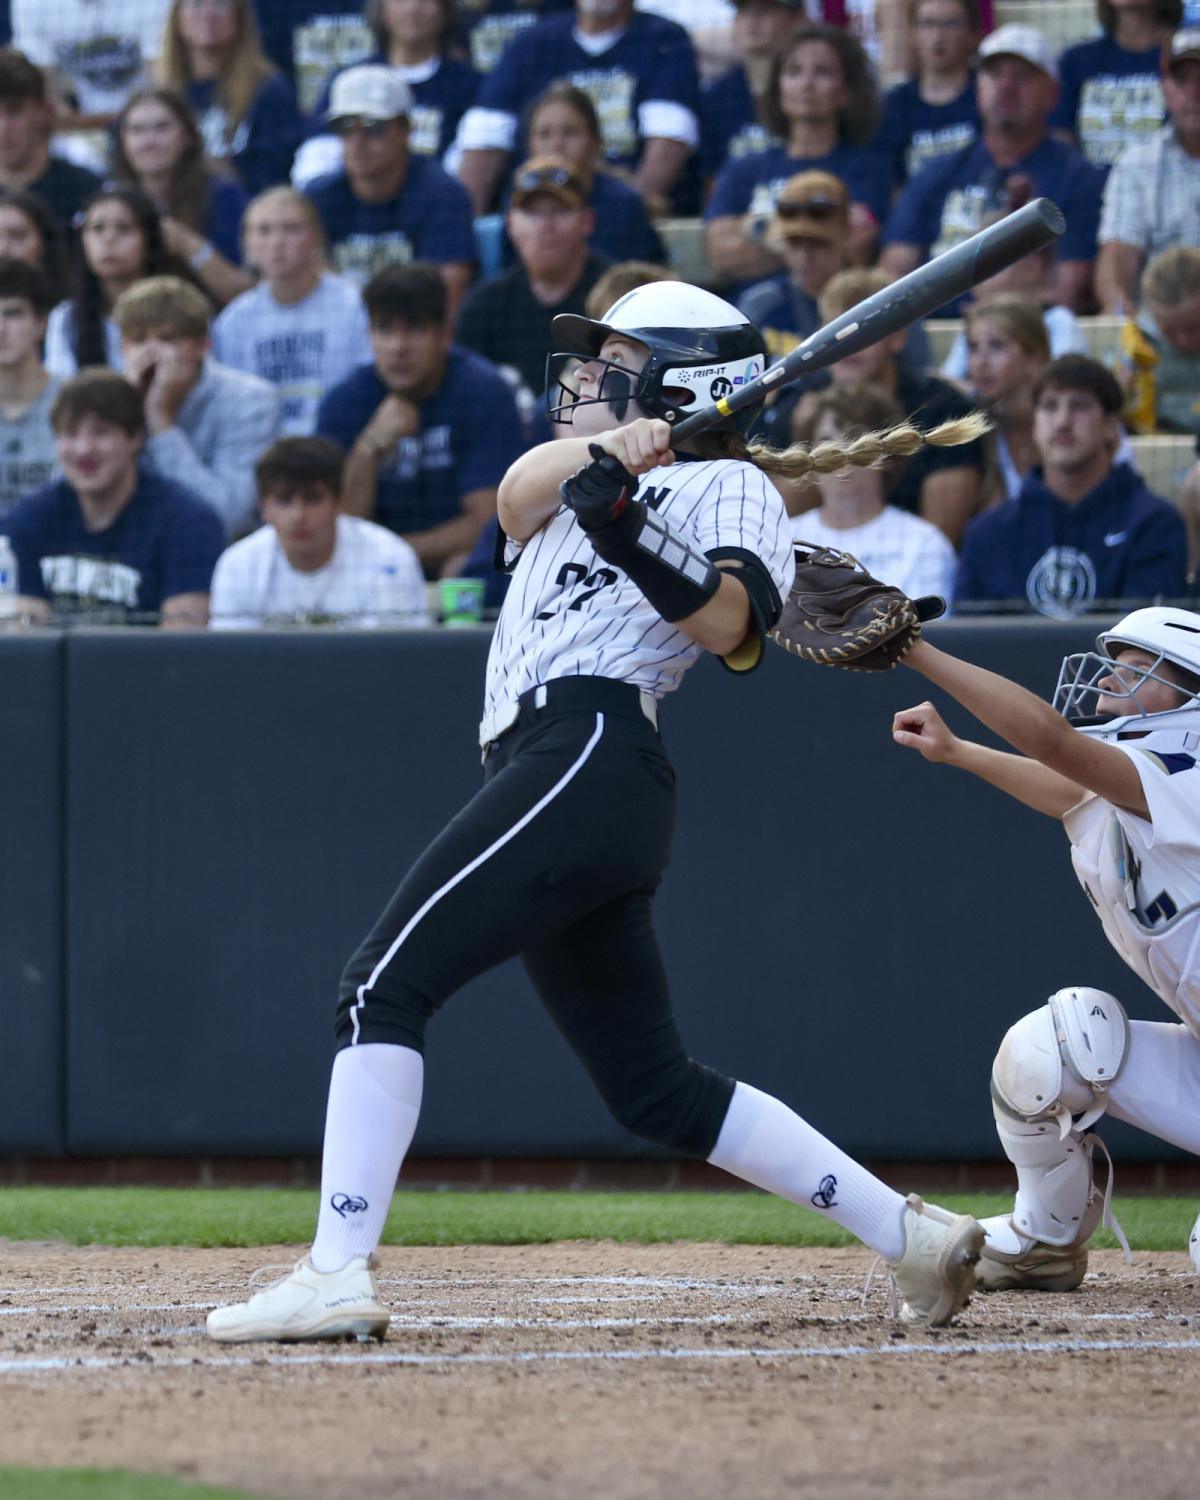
(1119, 542)
(487, 26)
(428, 219)
(913, 133)
(729, 123)
(439, 103)
(1111, 98)
(470, 433)
(652, 59)
(751, 183)
(165, 542)
(309, 40)
(947, 201)
(227, 201)
(261, 148)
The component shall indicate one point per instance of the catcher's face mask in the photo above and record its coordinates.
(1094, 688)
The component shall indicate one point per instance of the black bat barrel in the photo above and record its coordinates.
(914, 296)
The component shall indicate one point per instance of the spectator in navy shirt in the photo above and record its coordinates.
(485, 27)
(310, 40)
(26, 120)
(158, 149)
(1111, 89)
(430, 428)
(640, 72)
(243, 106)
(731, 104)
(1017, 87)
(507, 318)
(415, 38)
(934, 113)
(823, 103)
(109, 543)
(1082, 531)
(563, 123)
(809, 230)
(388, 205)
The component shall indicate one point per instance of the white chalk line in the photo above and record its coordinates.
(580, 1356)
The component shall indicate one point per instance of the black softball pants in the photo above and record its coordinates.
(556, 858)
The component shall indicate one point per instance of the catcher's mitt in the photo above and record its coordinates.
(837, 615)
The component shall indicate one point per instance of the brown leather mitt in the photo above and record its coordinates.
(837, 615)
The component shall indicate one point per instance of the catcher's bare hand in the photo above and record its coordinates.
(923, 729)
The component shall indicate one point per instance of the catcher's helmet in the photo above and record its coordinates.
(1166, 635)
(701, 348)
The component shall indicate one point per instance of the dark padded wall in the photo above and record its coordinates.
(31, 913)
(844, 925)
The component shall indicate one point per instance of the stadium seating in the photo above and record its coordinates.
(1102, 334)
(684, 241)
(1163, 461)
(1062, 22)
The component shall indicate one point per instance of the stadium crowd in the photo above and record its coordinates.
(277, 280)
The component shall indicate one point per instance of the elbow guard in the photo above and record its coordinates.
(765, 605)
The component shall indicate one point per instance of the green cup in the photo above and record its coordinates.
(461, 600)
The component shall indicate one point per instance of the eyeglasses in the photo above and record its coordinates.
(559, 177)
(809, 208)
(347, 124)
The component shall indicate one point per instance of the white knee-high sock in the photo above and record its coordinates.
(769, 1145)
(374, 1102)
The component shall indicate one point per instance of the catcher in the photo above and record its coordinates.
(628, 561)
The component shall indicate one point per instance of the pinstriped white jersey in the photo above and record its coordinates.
(568, 613)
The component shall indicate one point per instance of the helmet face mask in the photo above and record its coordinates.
(1168, 638)
(699, 348)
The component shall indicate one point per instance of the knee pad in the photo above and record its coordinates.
(1057, 1063)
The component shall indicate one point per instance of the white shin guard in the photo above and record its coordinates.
(1057, 1201)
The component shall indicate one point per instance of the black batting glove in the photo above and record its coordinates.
(598, 492)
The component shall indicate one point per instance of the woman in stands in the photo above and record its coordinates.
(417, 39)
(1007, 349)
(159, 150)
(563, 122)
(824, 104)
(30, 231)
(120, 242)
(244, 108)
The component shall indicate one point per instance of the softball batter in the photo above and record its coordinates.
(1117, 758)
(614, 595)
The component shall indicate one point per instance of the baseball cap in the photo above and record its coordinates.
(1016, 40)
(1183, 44)
(812, 206)
(369, 92)
(552, 175)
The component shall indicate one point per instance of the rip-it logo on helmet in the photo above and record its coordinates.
(699, 349)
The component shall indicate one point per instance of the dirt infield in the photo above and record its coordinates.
(615, 1371)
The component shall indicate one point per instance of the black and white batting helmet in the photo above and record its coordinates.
(701, 348)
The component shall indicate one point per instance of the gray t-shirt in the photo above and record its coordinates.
(28, 451)
(302, 350)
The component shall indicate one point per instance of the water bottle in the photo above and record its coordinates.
(8, 580)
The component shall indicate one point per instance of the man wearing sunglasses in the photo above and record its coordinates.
(387, 205)
(507, 318)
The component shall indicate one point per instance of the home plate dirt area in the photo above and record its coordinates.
(602, 1370)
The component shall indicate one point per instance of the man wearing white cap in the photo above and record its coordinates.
(1152, 198)
(1016, 88)
(387, 205)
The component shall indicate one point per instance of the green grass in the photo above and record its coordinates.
(262, 1216)
(103, 1484)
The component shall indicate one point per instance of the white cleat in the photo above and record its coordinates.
(306, 1304)
(1194, 1245)
(935, 1274)
(1012, 1262)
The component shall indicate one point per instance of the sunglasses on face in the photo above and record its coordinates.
(529, 182)
(348, 124)
(810, 208)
